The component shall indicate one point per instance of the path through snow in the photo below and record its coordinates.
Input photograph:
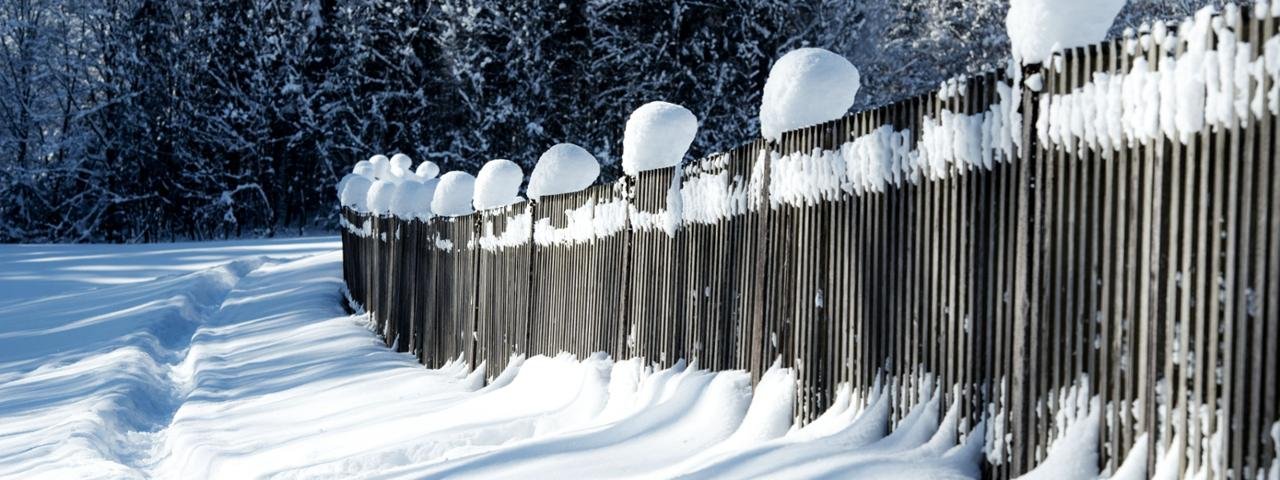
(250, 369)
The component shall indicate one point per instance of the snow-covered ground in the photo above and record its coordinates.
(235, 360)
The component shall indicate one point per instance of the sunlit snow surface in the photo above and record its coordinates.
(235, 360)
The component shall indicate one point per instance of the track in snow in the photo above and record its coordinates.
(250, 369)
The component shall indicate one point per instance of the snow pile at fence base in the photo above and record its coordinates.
(563, 168)
(807, 86)
(498, 184)
(1074, 454)
(657, 136)
(453, 194)
(1037, 28)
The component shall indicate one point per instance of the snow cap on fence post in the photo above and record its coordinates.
(498, 184)
(453, 194)
(401, 166)
(342, 183)
(658, 134)
(380, 196)
(807, 86)
(355, 193)
(426, 208)
(381, 166)
(363, 168)
(1037, 28)
(427, 170)
(412, 200)
(563, 168)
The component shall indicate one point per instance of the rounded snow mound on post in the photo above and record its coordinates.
(1037, 28)
(657, 136)
(355, 193)
(412, 200)
(807, 86)
(453, 194)
(380, 196)
(427, 209)
(401, 166)
(498, 184)
(563, 168)
(363, 168)
(427, 170)
(342, 183)
(381, 166)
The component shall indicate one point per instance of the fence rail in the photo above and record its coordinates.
(1019, 247)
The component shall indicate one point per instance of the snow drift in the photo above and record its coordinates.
(657, 136)
(807, 86)
(250, 369)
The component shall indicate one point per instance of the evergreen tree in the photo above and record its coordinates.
(142, 120)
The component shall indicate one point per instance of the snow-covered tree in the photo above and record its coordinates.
(137, 120)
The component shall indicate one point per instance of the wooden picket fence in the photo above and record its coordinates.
(1146, 274)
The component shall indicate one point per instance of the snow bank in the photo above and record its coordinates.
(400, 165)
(453, 194)
(770, 413)
(412, 200)
(380, 196)
(427, 170)
(498, 184)
(355, 193)
(363, 168)
(1275, 459)
(1135, 464)
(657, 136)
(563, 168)
(381, 166)
(1074, 453)
(807, 86)
(1037, 28)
